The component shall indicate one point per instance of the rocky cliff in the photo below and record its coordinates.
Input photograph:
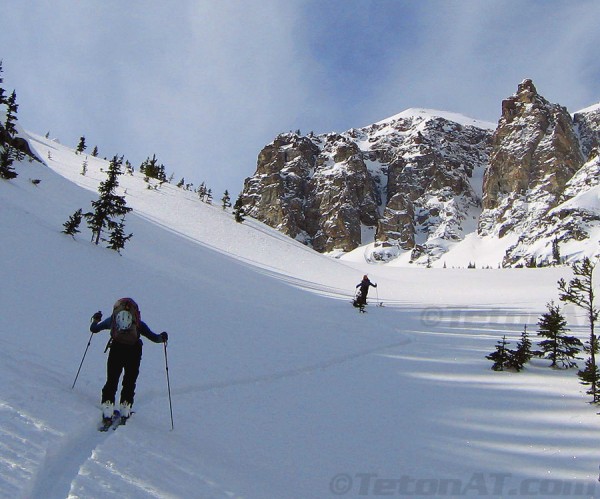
(405, 182)
(420, 181)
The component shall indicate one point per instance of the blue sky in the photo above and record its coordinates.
(205, 85)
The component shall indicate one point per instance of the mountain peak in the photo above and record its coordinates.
(430, 114)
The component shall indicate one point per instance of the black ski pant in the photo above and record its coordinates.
(121, 358)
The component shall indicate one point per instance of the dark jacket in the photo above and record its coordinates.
(96, 327)
(364, 286)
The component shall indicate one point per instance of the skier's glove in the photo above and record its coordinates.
(97, 317)
(164, 336)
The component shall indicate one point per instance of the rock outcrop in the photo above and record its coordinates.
(422, 180)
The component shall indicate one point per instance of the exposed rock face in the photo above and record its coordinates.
(415, 182)
(432, 197)
(587, 124)
(536, 168)
(409, 177)
(534, 154)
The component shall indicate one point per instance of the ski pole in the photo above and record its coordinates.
(84, 354)
(380, 303)
(168, 385)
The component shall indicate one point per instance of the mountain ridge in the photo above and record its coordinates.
(420, 181)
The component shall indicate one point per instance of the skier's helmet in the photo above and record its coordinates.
(124, 320)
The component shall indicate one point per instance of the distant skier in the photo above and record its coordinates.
(125, 354)
(361, 298)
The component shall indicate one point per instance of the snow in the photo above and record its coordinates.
(280, 389)
(589, 109)
(432, 113)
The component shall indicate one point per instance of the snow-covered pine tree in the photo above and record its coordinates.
(84, 166)
(72, 225)
(580, 292)
(95, 152)
(558, 347)
(500, 355)
(109, 205)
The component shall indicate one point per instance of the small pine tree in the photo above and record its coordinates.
(556, 251)
(500, 356)
(238, 210)
(2, 96)
(181, 183)
(11, 115)
(7, 171)
(81, 146)
(109, 205)
(72, 225)
(84, 167)
(202, 191)
(209, 197)
(580, 292)
(558, 347)
(519, 357)
(95, 152)
(226, 200)
(117, 237)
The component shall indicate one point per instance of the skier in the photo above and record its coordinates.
(125, 354)
(364, 290)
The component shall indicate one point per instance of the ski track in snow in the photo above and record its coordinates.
(290, 373)
(82, 448)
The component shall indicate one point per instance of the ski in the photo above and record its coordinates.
(108, 423)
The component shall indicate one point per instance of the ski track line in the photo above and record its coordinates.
(290, 373)
(61, 465)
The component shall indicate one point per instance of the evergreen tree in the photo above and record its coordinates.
(2, 91)
(226, 200)
(117, 237)
(8, 153)
(500, 356)
(202, 191)
(522, 354)
(181, 183)
(558, 347)
(95, 152)
(238, 210)
(580, 292)
(72, 225)
(11, 115)
(7, 172)
(109, 205)
(556, 251)
(81, 146)
(153, 169)
(209, 196)
(84, 167)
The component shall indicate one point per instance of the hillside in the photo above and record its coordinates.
(280, 388)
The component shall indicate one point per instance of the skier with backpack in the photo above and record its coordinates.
(126, 328)
(360, 299)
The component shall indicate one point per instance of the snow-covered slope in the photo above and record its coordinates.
(280, 388)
